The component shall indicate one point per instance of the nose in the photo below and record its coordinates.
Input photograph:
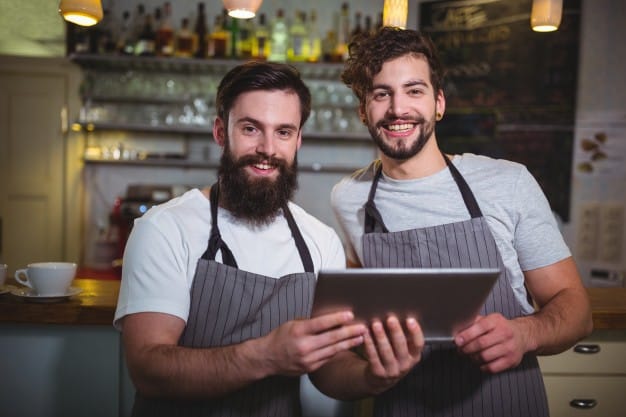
(398, 105)
(265, 145)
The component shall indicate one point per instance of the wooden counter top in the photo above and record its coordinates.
(96, 305)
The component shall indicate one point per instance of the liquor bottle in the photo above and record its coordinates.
(146, 44)
(106, 42)
(233, 44)
(315, 40)
(137, 24)
(165, 32)
(218, 38)
(298, 49)
(279, 38)
(343, 33)
(246, 34)
(200, 33)
(357, 28)
(368, 24)
(184, 40)
(261, 39)
(125, 45)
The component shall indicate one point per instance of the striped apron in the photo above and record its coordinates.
(230, 306)
(445, 382)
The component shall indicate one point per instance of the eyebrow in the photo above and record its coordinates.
(408, 84)
(256, 122)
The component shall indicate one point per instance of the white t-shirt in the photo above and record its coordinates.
(512, 202)
(166, 242)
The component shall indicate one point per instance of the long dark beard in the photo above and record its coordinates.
(256, 200)
(400, 151)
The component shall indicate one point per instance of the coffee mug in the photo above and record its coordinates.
(47, 278)
(3, 274)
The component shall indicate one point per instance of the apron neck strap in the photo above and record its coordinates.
(215, 239)
(374, 219)
(216, 243)
(466, 192)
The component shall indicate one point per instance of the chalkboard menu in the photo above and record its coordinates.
(510, 92)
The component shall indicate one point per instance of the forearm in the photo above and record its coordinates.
(182, 372)
(558, 324)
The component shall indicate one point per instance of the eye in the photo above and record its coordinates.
(285, 133)
(415, 92)
(380, 95)
(249, 129)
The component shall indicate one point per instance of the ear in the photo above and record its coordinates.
(299, 143)
(440, 103)
(219, 131)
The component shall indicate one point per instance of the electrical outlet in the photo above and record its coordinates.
(588, 224)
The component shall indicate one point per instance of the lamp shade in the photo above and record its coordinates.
(242, 9)
(395, 13)
(81, 12)
(546, 15)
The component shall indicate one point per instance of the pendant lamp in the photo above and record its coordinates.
(242, 9)
(395, 13)
(546, 15)
(81, 12)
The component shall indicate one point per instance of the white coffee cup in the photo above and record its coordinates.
(47, 278)
(3, 274)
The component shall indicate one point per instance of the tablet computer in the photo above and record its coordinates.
(443, 301)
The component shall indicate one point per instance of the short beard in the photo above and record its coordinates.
(256, 200)
(400, 151)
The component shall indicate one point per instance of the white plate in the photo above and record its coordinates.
(29, 294)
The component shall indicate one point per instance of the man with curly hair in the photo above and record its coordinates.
(419, 207)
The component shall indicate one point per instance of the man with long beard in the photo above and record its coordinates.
(418, 207)
(217, 283)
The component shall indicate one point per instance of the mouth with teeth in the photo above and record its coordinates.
(399, 127)
(263, 167)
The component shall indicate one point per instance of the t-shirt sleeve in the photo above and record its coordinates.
(537, 239)
(153, 273)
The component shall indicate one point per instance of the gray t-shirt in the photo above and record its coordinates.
(512, 202)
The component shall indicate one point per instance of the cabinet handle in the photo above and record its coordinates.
(583, 403)
(587, 349)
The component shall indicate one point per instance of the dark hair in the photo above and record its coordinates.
(368, 53)
(253, 76)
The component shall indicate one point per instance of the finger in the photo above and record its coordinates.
(415, 337)
(478, 328)
(328, 352)
(327, 321)
(385, 350)
(397, 336)
(371, 353)
(336, 335)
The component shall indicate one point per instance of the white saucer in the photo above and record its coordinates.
(31, 295)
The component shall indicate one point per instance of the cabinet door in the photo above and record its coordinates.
(608, 393)
(31, 165)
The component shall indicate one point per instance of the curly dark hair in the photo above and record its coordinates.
(368, 53)
(256, 75)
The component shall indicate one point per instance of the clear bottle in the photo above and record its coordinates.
(299, 49)
(201, 33)
(184, 40)
(261, 39)
(279, 38)
(315, 39)
(165, 32)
